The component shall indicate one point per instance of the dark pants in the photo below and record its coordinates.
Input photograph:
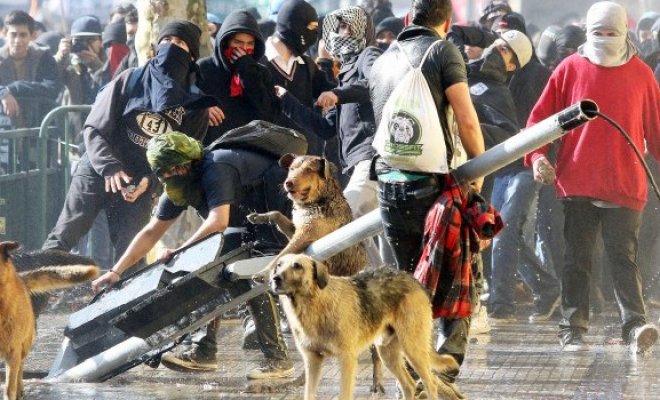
(263, 310)
(619, 228)
(84, 200)
(403, 220)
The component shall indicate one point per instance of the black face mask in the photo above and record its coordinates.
(292, 21)
(174, 61)
(383, 46)
(492, 64)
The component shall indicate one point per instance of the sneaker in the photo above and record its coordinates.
(501, 315)
(544, 309)
(479, 324)
(273, 369)
(642, 338)
(192, 359)
(572, 341)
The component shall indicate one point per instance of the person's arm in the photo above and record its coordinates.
(469, 130)
(144, 241)
(307, 118)
(47, 83)
(217, 221)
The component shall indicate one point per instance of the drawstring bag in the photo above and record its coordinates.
(410, 136)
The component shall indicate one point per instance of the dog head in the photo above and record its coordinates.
(298, 274)
(308, 177)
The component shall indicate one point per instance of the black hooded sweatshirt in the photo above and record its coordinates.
(258, 100)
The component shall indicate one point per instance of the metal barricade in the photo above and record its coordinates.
(35, 176)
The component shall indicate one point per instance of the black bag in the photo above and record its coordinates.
(263, 137)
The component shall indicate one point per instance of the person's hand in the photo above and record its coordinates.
(323, 51)
(216, 116)
(262, 276)
(280, 91)
(10, 106)
(543, 171)
(166, 255)
(64, 49)
(104, 280)
(327, 99)
(90, 59)
(477, 184)
(236, 54)
(131, 194)
(114, 183)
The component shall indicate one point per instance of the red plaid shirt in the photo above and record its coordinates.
(457, 226)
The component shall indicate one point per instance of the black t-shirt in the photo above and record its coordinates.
(246, 180)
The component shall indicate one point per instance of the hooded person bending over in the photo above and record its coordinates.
(221, 184)
(113, 175)
(242, 86)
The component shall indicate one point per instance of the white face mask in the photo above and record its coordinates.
(607, 51)
(340, 45)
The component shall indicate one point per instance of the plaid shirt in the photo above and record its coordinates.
(457, 227)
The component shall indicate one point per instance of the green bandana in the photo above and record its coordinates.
(172, 149)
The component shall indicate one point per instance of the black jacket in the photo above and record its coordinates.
(443, 67)
(493, 102)
(258, 100)
(38, 91)
(526, 87)
(353, 118)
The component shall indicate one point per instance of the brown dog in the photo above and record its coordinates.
(341, 316)
(17, 320)
(319, 207)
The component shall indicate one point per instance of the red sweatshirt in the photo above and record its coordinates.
(594, 160)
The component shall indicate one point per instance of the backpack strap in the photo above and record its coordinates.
(426, 54)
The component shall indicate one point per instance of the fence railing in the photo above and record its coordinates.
(36, 176)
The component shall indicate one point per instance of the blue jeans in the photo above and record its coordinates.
(513, 195)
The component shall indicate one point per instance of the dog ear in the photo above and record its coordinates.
(5, 248)
(286, 160)
(321, 275)
(327, 169)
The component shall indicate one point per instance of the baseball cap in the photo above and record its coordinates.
(520, 44)
(86, 26)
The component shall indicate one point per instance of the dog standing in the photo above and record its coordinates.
(341, 316)
(17, 318)
(319, 207)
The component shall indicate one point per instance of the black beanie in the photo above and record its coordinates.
(292, 20)
(114, 33)
(184, 30)
(392, 24)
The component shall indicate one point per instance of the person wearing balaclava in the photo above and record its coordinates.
(219, 183)
(140, 104)
(647, 43)
(291, 68)
(348, 34)
(233, 75)
(114, 43)
(387, 31)
(600, 182)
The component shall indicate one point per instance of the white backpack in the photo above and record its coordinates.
(410, 136)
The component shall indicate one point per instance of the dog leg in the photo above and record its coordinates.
(348, 364)
(391, 354)
(377, 376)
(11, 376)
(282, 223)
(313, 362)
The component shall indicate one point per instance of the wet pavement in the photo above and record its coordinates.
(516, 360)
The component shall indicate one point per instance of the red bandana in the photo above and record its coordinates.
(235, 86)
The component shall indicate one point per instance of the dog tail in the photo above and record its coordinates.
(58, 277)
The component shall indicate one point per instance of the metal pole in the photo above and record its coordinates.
(497, 157)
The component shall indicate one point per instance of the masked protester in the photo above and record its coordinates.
(602, 189)
(221, 184)
(296, 30)
(349, 36)
(243, 87)
(140, 104)
(387, 31)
